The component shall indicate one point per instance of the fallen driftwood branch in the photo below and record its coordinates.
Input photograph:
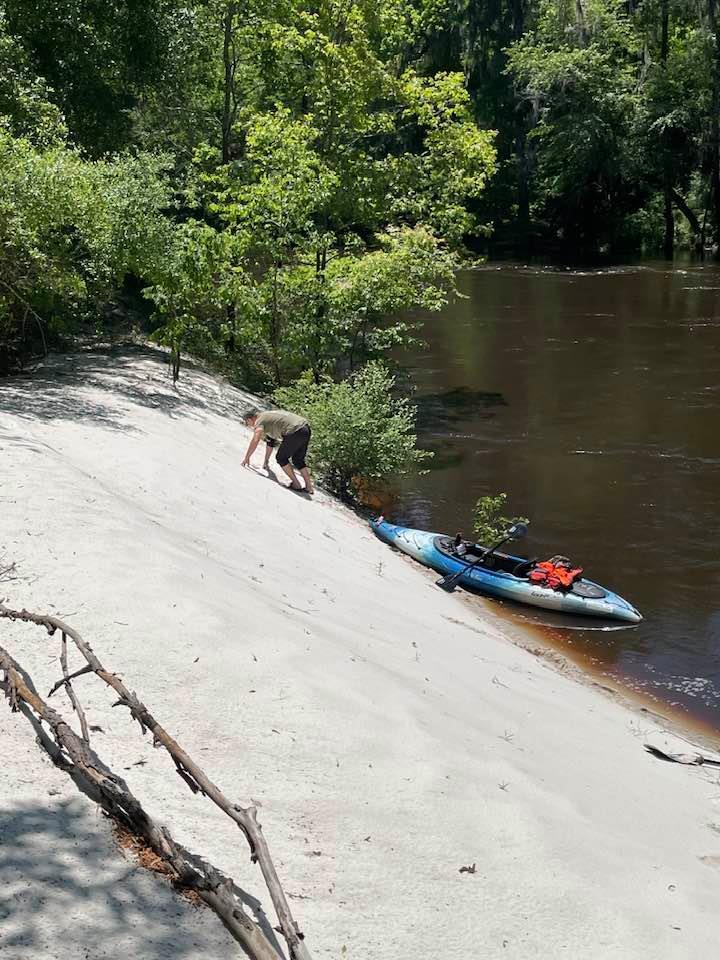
(215, 889)
(690, 759)
(188, 770)
(70, 692)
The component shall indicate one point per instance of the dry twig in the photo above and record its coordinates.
(71, 693)
(187, 769)
(215, 889)
(7, 571)
(690, 759)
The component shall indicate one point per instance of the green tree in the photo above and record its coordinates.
(671, 116)
(361, 432)
(579, 67)
(97, 57)
(344, 183)
(489, 522)
(26, 109)
(474, 37)
(70, 230)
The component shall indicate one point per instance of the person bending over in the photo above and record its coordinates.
(291, 432)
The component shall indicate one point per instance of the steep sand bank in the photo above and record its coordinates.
(390, 733)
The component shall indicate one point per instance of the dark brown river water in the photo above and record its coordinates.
(593, 399)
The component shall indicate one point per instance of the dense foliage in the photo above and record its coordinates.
(70, 231)
(314, 181)
(278, 186)
(608, 118)
(362, 436)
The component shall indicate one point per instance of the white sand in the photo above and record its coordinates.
(391, 733)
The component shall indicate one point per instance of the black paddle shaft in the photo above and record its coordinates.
(449, 583)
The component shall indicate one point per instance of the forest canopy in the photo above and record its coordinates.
(277, 186)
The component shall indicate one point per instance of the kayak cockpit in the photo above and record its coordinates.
(464, 551)
(467, 552)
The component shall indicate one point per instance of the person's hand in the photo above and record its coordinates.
(246, 462)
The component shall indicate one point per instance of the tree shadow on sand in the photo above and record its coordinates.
(86, 387)
(68, 892)
(65, 895)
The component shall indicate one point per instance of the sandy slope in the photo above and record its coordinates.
(390, 734)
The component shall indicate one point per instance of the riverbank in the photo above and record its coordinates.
(591, 398)
(390, 733)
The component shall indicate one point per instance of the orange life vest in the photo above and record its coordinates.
(557, 574)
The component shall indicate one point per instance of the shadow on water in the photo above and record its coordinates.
(440, 415)
(444, 459)
(452, 407)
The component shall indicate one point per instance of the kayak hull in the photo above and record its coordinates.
(423, 547)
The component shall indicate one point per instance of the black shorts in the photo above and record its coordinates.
(294, 447)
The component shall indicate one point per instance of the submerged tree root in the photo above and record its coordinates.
(217, 891)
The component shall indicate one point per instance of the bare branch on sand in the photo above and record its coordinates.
(118, 800)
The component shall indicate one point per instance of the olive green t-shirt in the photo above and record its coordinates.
(276, 424)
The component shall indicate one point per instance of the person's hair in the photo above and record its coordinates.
(250, 412)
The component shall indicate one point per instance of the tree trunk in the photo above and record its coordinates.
(669, 236)
(581, 22)
(229, 81)
(521, 153)
(523, 186)
(231, 342)
(320, 313)
(275, 326)
(175, 359)
(690, 216)
(715, 125)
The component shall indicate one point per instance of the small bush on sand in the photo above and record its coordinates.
(489, 523)
(362, 435)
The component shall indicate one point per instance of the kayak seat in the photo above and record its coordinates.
(523, 568)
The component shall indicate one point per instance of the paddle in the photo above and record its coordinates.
(516, 532)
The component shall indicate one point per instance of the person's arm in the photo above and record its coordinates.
(255, 440)
(269, 444)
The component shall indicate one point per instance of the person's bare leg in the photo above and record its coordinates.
(288, 469)
(305, 473)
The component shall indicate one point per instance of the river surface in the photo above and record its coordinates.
(593, 399)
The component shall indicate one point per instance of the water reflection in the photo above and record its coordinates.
(592, 399)
(455, 405)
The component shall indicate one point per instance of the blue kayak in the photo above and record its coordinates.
(504, 575)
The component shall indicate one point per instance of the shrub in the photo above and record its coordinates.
(361, 434)
(70, 230)
(489, 523)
